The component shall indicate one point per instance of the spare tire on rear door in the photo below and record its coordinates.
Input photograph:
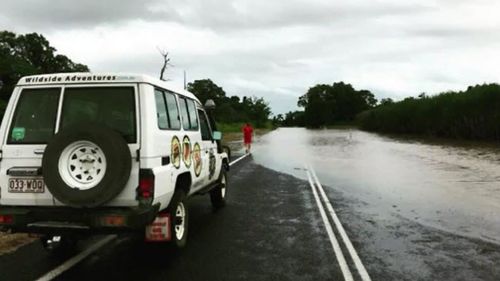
(86, 165)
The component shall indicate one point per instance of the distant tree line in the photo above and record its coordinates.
(470, 114)
(231, 109)
(29, 54)
(326, 105)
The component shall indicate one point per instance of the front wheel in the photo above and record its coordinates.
(218, 194)
(179, 217)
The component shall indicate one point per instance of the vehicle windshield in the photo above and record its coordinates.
(110, 106)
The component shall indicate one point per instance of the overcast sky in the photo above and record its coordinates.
(278, 50)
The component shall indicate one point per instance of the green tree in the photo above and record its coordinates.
(231, 109)
(206, 89)
(473, 114)
(327, 104)
(386, 101)
(29, 54)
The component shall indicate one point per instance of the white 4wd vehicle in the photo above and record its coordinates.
(89, 153)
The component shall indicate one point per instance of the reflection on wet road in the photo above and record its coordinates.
(451, 188)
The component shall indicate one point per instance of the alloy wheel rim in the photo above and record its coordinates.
(223, 186)
(180, 221)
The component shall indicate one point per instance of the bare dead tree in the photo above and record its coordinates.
(166, 63)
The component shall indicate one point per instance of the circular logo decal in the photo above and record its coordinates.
(186, 151)
(197, 159)
(176, 152)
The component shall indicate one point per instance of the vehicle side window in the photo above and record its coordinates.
(35, 116)
(184, 113)
(173, 111)
(161, 110)
(188, 112)
(193, 119)
(205, 128)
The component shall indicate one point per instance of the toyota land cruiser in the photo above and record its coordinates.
(86, 153)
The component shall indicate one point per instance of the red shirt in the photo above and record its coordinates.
(247, 134)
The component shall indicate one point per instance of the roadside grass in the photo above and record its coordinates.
(10, 242)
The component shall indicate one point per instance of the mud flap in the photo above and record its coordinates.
(159, 230)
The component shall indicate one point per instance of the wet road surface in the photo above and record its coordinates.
(414, 211)
(418, 211)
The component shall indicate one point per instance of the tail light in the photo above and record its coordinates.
(146, 189)
(6, 219)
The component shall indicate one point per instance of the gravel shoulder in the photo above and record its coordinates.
(11, 242)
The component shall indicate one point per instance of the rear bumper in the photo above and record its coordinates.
(50, 220)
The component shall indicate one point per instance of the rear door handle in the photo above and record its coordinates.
(39, 151)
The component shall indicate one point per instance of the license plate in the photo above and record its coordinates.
(26, 185)
(159, 230)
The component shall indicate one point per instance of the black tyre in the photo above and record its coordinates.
(227, 150)
(179, 214)
(218, 194)
(86, 165)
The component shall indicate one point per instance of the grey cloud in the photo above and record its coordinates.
(213, 14)
(277, 50)
(63, 14)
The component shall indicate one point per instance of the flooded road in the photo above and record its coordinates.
(405, 197)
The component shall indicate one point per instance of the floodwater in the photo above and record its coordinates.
(452, 188)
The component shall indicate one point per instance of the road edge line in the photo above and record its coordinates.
(346, 272)
(76, 259)
(345, 238)
(238, 160)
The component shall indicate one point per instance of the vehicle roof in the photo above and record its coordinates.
(100, 78)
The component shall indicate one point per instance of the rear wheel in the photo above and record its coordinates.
(218, 194)
(179, 216)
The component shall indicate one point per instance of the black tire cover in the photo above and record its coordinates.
(118, 165)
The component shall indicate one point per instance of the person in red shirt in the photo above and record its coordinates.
(247, 136)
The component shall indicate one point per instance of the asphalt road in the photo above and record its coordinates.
(269, 230)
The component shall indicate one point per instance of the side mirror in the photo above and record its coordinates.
(210, 104)
(216, 135)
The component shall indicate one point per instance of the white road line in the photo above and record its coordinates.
(76, 259)
(333, 240)
(237, 160)
(347, 242)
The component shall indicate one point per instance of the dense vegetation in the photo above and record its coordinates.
(232, 111)
(471, 114)
(29, 54)
(326, 105)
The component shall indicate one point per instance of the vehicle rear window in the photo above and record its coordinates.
(35, 116)
(110, 106)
